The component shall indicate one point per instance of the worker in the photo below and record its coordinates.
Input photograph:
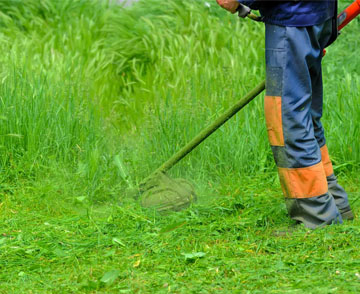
(296, 32)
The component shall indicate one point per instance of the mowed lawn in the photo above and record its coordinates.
(233, 244)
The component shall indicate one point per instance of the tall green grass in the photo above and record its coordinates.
(101, 95)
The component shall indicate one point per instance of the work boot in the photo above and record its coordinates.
(314, 212)
(347, 214)
(340, 197)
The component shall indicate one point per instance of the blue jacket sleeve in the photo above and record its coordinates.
(253, 4)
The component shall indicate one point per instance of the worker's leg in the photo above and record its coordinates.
(338, 192)
(290, 54)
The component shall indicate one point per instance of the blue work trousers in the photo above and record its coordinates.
(293, 111)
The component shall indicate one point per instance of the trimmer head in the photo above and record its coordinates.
(166, 194)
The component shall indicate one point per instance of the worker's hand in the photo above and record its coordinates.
(230, 5)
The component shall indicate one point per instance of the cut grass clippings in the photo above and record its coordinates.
(229, 245)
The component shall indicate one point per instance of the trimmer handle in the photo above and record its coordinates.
(348, 14)
(352, 11)
(244, 11)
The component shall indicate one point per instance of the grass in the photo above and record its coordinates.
(228, 245)
(94, 97)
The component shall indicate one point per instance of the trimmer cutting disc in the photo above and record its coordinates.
(165, 194)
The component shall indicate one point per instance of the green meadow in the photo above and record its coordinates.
(94, 97)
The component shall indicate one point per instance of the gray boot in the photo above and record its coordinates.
(340, 197)
(314, 212)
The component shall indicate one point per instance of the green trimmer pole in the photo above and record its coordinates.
(230, 112)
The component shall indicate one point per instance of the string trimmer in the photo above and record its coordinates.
(163, 193)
